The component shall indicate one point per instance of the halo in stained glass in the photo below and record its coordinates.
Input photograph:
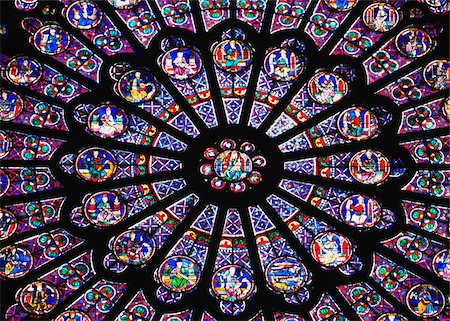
(134, 247)
(232, 55)
(408, 43)
(15, 261)
(232, 283)
(357, 123)
(51, 40)
(381, 17)
(23, 71)
(107, 121)
(12, 105)
(179, 273)
(283, 64)
(84, 14)
(181, 63)
(327, 88)
(220, 160)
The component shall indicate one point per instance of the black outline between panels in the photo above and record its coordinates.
(200, 300)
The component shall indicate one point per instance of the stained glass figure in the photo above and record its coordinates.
(177, 160)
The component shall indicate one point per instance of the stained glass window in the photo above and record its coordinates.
(165, 160)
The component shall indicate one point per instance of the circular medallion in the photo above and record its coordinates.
(441, 264)
(217, 183)
(137, 86)
(8, 224)
(357, 123)
(360, 211)
(283, 64)
(437, 74)
(73, 315)
(391, 317)
(11, 105)
(233, 165)
(232, 283)
(39, 297)
(232, 55)
(425, 300)
(118, 69)
(286, 274)
(84, 14)
(107, 121)
(341, 5)
(51, 40)
(123, 4)
(413, 42)
(381, 17)
(104, 209)
(179, 273)
(438, 6)
(134, 247)
(238, 187)
(15, 261)
(331, 249)
(181, 63)
(23, 71)
(4, 182)
(369, 167)
(95, 164)
(327, 88)
(5, 144)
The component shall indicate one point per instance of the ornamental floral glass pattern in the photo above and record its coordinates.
(224, 160)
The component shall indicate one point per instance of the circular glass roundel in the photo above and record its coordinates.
(5, 144)
(232, 283)
(39, 297)
(360, 211)
(23, 71)
(286, 274)
(84, 14)
(15, 261)
(331, 249)
(381, 17)
(283, 64)
(179, 273)
(96, 164)
(5, 183)
(104, 209)
(357, 123)
(181, 63)
(11, 105)
(107, 121)
(9, 224)
(73, 315)
(51, 40)
(425, 300)
(232, 165)
(134, 247)
(437, 74)
(232, 55)
(441, 264)
(413, 42)
(369, 167)
(137, 86)
(327, 88)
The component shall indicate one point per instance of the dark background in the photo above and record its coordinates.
(389, 194)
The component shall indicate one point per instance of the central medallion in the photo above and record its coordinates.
(232, 165)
